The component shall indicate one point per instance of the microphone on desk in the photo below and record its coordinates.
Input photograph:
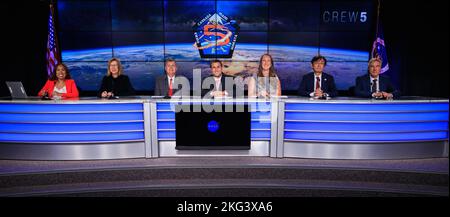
(45, 95)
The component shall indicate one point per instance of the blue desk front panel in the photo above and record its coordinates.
(366, 122)
(71, 123)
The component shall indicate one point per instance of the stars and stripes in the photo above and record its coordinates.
(53, 57)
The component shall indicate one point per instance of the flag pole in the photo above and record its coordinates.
(376, 29)
(52, 9)
(378, 15)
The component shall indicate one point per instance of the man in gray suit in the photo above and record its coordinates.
(169, 84)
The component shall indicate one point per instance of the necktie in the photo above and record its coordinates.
(374, 86)
(317, 83)
(170, 88)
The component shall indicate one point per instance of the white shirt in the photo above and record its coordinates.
(217, 85)
(218, 81)
(58, 90)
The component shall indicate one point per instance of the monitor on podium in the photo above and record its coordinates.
(213, 127)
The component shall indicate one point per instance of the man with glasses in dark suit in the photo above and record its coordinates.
(318, 84)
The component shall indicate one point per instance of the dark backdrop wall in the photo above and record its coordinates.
(416, 34)
(24, 23)
(416, 37)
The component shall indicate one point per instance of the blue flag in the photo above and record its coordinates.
(379, 49)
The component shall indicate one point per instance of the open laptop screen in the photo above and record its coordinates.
(16, 90)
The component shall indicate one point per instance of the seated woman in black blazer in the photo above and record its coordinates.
(115, 83)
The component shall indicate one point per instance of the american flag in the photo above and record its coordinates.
(53, 56)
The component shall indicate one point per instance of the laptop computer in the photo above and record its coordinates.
(17, 90)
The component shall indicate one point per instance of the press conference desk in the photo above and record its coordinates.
(144, 127)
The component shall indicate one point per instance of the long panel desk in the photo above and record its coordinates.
(351, 128)
(144, 127)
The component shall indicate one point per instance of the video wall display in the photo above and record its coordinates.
(143, 33)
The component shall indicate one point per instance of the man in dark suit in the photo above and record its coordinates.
(318, 84)
(219, 84)
(169, 83)
(375, 85)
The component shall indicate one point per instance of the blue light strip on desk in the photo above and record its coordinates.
(69, 118)
(391, 137)
(54, 107)
(64, 138)
(61, 128)
(367, 107)
(366, 127)
(355, 117)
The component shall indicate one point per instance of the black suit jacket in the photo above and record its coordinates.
(120, 86)
(162, 86)
(327, 85)
(363, 86)
(225, 78)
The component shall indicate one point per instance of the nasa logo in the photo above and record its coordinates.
(213, 126)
